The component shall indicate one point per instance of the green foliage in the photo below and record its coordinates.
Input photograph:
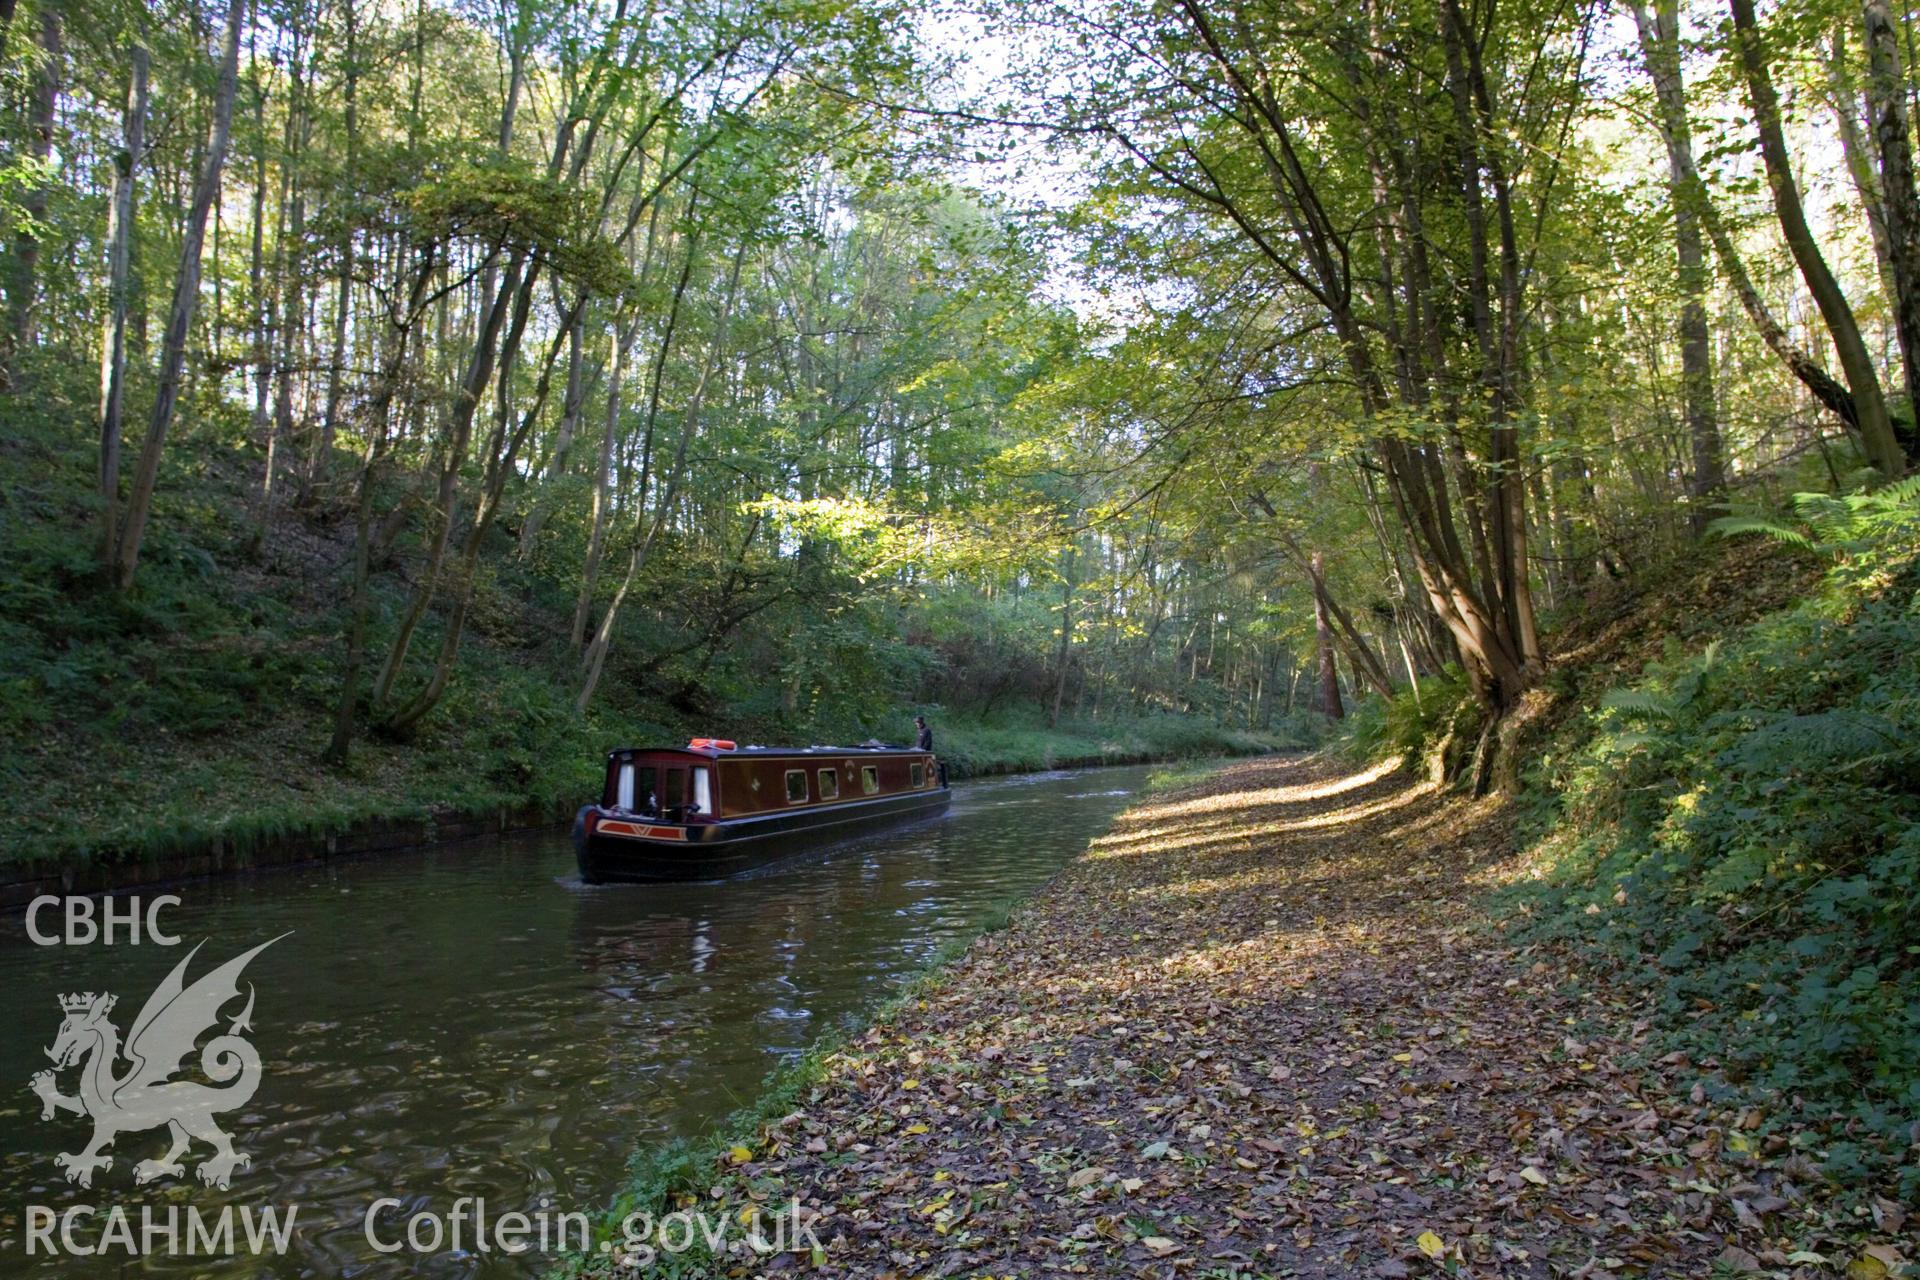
(501, 203)
(1740, 830)
(192, 710)
(1182, 776)
(1011, 745)
(1410, 723)
(1849, 524)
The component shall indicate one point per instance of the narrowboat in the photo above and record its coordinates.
(714, 808)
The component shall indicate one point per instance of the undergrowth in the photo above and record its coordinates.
(1410, 722)
(1738, 832)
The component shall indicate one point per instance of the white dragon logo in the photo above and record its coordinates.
(146, 1096)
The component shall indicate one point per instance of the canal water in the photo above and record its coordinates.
(472, 1021)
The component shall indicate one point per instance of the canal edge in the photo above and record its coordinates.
(659, 1174)
(221, 854)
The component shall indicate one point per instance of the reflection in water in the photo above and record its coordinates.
(473, 1021)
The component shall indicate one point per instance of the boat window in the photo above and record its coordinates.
(636, 789)
(919, 772)
(702, 790)
(796, 786)
(675, 797)
(869, 778)
(829, 784)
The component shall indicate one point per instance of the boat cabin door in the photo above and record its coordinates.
(635, 790)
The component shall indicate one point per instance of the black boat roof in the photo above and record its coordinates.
(710, 750)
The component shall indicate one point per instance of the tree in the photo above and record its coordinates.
(23, 280)
(1660, 47)
(1863, 383)
(124, 547)
(1887, 97)
(113, 345)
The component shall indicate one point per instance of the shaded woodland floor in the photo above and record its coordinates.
(1266, 1028)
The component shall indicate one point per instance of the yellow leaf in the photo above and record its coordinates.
(1534, 1176)
(909, 1084)
(1867, 1267)
(1403, 1057)
(739, 1155)
(1159, 1245)
(917, 1128)
(1432, 1245)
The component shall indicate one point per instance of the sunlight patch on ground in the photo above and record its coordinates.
(1293, 794)
(1247, 838)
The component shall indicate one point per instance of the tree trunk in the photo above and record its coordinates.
(1660, 44)
(186, 291)
(480, 369)
(1327, 697)
(1887, 96)
(400, 331)
(1845, 102)
(22, 309)
(261, 303)
(503, 451)
(563, 442)
(603, 478)
(113, 346)
(583, 605)
(343, 294)
(1067, 560)
(596, 656)
(1876, 428)
(289, 252)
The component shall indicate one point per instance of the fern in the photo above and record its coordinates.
(1733, 526)
(1666, 707)
(1643, 702)
(1846, 737)
(1862, 521)
(1753, 817)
